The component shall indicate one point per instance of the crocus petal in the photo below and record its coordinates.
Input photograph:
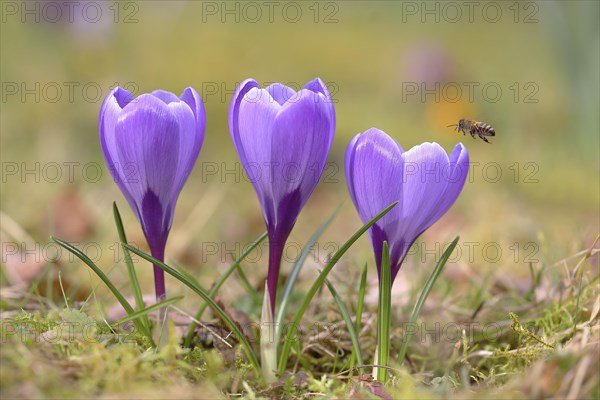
(110, 113)
(281, 93)
(317, 86)
(456, 176)
(165, 96)
(194, 101)
(300, 144)
(189, 111)
(254, 137)
(147, 139)
(376, 164)
(349, 168)
(234, 113)
(423, 186)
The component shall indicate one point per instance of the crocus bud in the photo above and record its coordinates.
(283, 138)
(424, 180)
(150, 144)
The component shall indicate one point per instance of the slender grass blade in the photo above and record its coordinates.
(424, 294)
(206, 297)
(293, 327)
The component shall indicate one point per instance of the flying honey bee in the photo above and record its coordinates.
(473, 128)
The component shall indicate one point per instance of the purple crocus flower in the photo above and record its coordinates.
(150, 144)
(283, 138)
(424, 180)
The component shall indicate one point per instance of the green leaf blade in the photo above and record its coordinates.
(439, 267)
(283, 357)
(348, 320)
(293, 277)
(133, 279)
(383, 315)
(207, 298)
(222, 279)
(120, 298)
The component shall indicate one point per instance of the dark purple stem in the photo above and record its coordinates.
(158, 252)
(275, 252)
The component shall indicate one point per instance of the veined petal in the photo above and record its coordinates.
(165, 96)
(318, 86)
(234, 113)
(147, 137)
(194, 101)
(111, 107)
(424, 186)
(254, 140)
(448, 180)
(110, 111)
(190, 119)
(281, 93)
(455, 176)
(377, 165)
(300, 144)
(191, 142)
(349, 166)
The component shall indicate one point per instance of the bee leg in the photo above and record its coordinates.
(484, 139)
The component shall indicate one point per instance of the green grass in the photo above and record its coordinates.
(66, 352)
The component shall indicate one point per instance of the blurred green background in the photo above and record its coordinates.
(543, 56)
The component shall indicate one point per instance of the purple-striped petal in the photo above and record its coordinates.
(234, 113)
(255, 137)
(192, 132)
(423, 186)
(456, 176)
(147, 138)
(281, 93)
(319, 87)
(348, 166)
(375, 165)
(110, 113)
(300, 145)
(166, 97)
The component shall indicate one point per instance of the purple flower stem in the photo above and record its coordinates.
(275, 253)
(158, 252)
